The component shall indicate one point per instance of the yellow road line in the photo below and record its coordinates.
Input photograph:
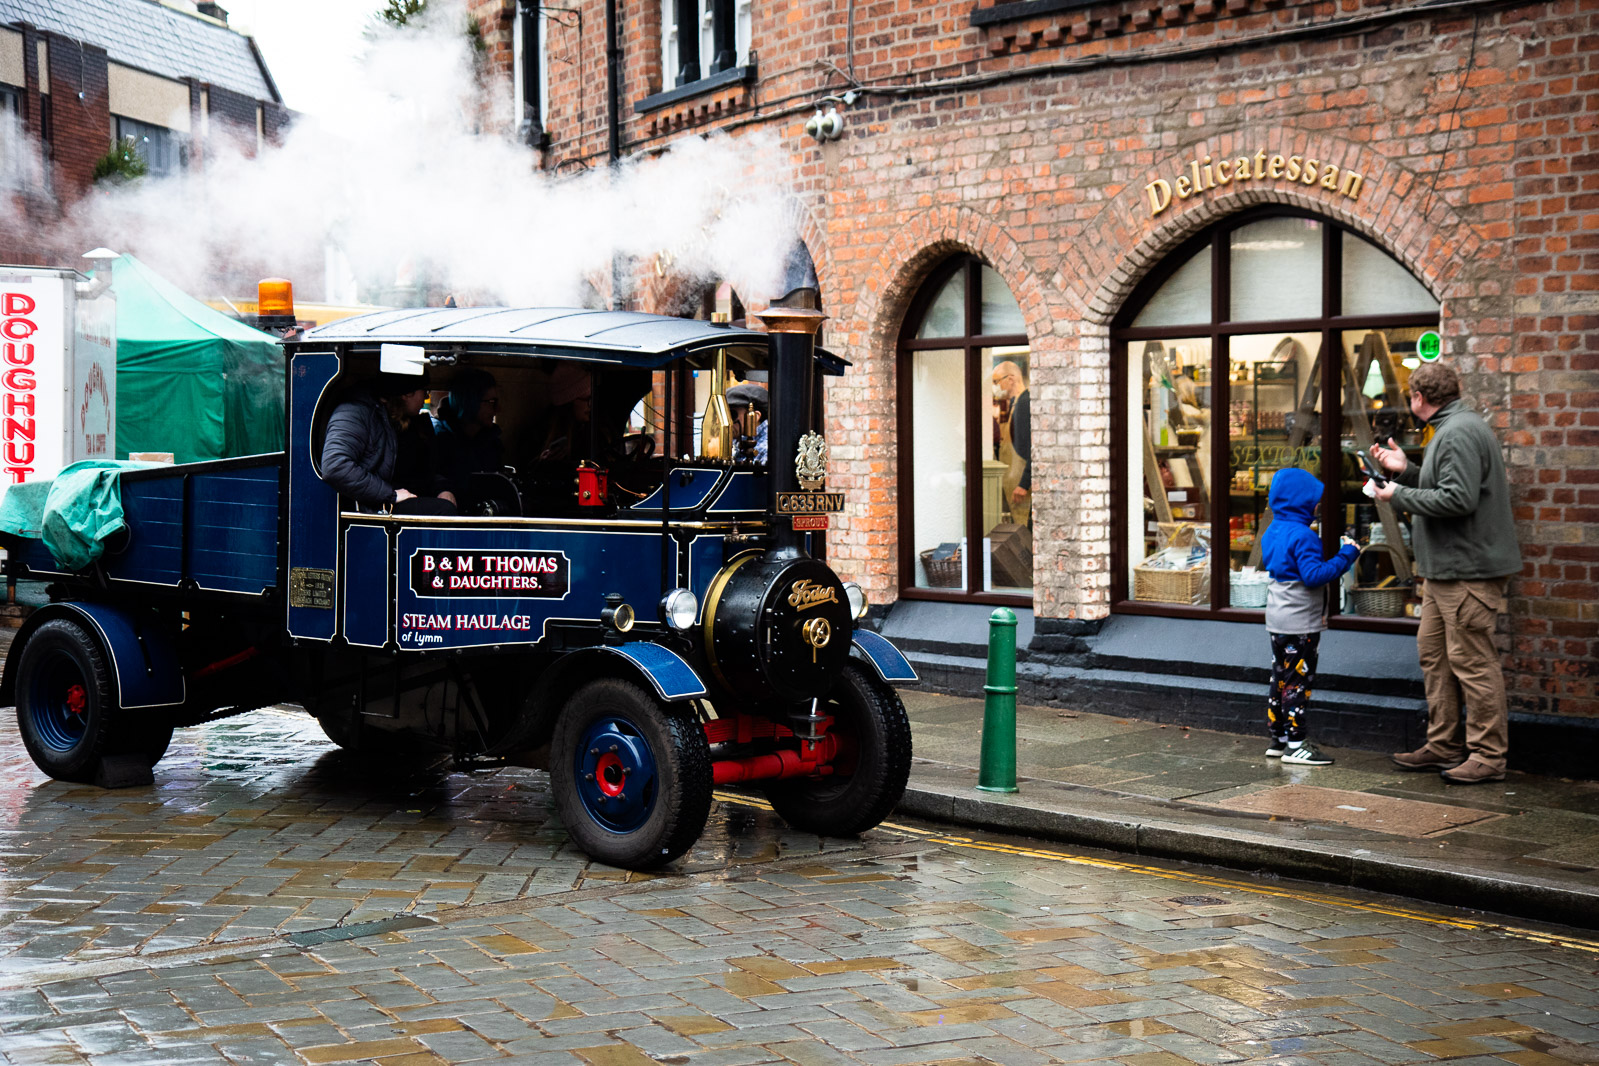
(1212, 881)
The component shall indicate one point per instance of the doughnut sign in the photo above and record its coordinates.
(33, 312)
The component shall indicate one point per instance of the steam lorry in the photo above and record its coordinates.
(644, 616)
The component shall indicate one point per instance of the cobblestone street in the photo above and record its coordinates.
(194, 922)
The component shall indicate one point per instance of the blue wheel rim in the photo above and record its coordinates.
(616, 774)
(58, 703)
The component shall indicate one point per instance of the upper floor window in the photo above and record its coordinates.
(700, 38)
(160, 148)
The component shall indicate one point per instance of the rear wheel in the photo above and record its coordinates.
(66, 706)
(369, 743)
(872, 766)
(632, 778)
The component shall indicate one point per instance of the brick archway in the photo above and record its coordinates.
(1437, 248)
(863, 405)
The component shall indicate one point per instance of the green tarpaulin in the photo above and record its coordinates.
(191, 380)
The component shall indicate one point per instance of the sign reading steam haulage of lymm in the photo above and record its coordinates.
(1205, 174)
(505, 574)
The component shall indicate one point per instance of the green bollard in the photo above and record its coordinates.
(997, 770)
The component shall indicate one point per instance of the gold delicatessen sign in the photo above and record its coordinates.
(1205, 174)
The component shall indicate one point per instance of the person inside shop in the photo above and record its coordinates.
(748, 403)
(1296, 610)
(361, 449)
(469, 439)
(1466, 549)
(1010, 384)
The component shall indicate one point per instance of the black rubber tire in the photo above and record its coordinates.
(367, 742)
(682, 758)
(65, 743)
(871, 770)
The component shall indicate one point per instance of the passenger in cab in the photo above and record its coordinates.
(469, 438)
(361, 451)
(571, 409)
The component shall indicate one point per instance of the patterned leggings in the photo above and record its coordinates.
(1293, 671)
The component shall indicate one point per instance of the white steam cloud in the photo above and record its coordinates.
(393, 177)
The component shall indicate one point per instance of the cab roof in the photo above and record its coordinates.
(627, 338)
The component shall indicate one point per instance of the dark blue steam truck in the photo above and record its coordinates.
(609, 587)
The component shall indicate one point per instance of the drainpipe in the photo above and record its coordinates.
(613, 122)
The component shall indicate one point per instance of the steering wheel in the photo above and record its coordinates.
(638, 446)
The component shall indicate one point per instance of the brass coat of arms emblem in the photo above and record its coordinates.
(810, 465)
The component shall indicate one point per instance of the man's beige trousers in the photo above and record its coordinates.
(1456, 645)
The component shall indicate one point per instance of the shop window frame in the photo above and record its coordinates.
(977, 387)
(1219, 331)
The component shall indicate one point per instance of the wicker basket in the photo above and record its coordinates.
(1248, 590)
(1385, 602)
(1172, 586)
(1379, 603)
(942, 573)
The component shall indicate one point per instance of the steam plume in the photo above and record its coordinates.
(394, 174)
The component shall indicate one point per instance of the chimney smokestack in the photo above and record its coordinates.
(793, 376)
(207, 7)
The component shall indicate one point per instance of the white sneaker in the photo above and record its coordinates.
(1306, 755)
(1277, 748)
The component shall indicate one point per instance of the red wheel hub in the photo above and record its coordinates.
(610, 776)
(77, 699)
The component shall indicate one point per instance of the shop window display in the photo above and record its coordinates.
(1236, 332)
(966, 416)
(1172, 394)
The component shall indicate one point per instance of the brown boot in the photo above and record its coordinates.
(1472, 772)
(1424, 758)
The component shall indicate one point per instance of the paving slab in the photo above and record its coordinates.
(1527, 846)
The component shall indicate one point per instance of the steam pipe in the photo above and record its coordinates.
(793, 337)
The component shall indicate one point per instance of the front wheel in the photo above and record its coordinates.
(66, 706)
(632, 779)
(870, 770)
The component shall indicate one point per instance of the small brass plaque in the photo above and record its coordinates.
(810, 502)
(310, 588)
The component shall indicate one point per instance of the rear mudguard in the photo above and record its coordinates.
(889, 662)
(143, 652)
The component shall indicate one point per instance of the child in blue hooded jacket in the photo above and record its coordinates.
(1296, 609)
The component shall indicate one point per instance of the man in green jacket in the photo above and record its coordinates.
(1466, 548)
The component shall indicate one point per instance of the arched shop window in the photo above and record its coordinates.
(965, 416)
(1274, 339)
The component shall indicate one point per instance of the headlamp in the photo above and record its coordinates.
(857, 600)
(680, 608)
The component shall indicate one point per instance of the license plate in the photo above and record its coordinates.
(809, 503)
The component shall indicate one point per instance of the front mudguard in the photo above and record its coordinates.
(657, 668)
(888, 661)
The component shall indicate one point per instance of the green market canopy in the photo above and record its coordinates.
(191, 380)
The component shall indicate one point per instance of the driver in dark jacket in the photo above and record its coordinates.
(361, 447)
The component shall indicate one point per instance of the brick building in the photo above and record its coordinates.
(76, 76)
(1159, 218)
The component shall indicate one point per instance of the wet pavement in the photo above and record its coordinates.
(1528, 845)
(270, 899)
